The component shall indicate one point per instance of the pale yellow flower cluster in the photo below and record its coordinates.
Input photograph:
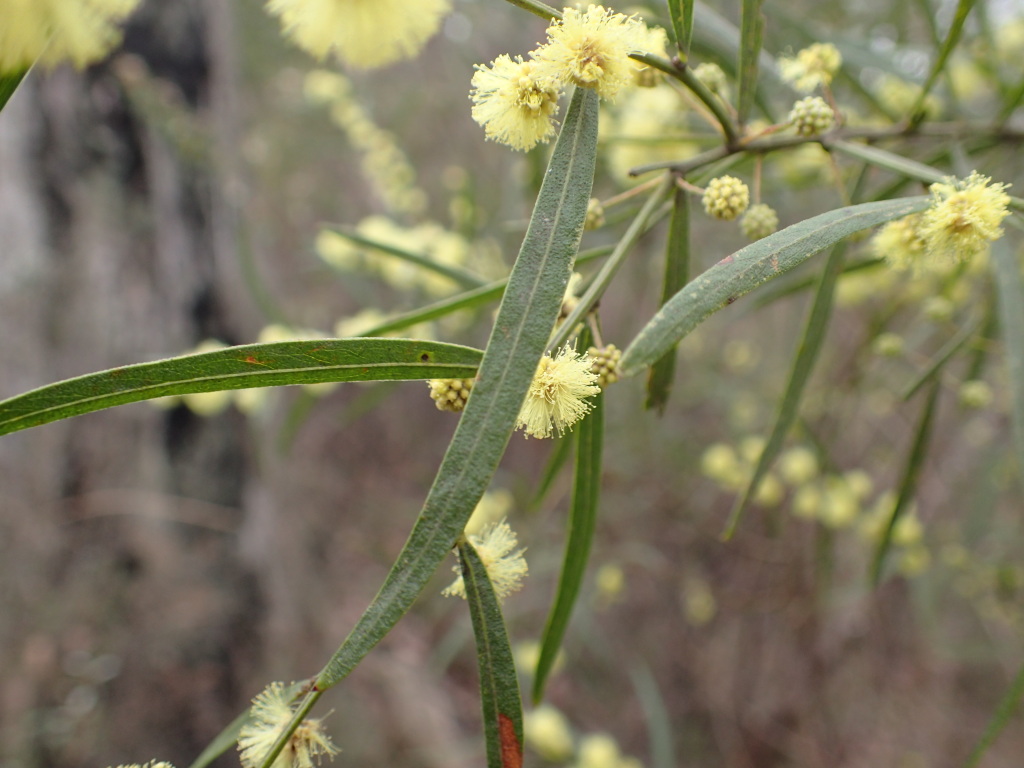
(270, 714)
(54, 31)
(506, 567)
(516, 100)
(360, 33)
(384, 164)
(964, 218)
(813, 66)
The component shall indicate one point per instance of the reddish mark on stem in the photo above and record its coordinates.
(254, 361)
(727, 260)
(511, 749)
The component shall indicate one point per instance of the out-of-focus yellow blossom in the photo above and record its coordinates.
(361, 33)
(591, 49)
(383, 162)
(751, 448)
(813, 66)
(270, 714)
(515, 101)
(699, 604)
(1010, 43)
(839, 505)
(54, 31)
(860, 483)
(655, 41)
(611, 583)
(492, 508)
(908, 530)
(713, 76)
(600, 750)
(546, 732)
(642, 128)
(938, 309)
(900, 243)
(914, 560)
(759, 221)
(964, 218)
(798, 466)
(807, 502)
(527, 654)
(975, 394)
(555, 400)
(769, 491)
(888, 345)
(506, 566)
(720, 463)
(898, 96)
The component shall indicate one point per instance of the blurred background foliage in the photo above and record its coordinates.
(159, 565)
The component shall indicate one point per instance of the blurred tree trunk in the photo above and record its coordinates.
(124, 610)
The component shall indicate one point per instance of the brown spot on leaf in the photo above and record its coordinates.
(511, 749)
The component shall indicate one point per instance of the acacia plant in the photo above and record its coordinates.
(909, 155)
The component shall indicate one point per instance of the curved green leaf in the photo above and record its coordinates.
(1000, 719)
(499, 684)
(527, 313)
(582, 522)
(252, 365)
(759, 262)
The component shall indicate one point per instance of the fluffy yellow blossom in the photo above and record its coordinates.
(493, 507)
(270, 713)
(555, 398)
(361, 33)
(54, 31)
(506, 566)
(813, 66)
(964, 217)
(591, 49)
(515, 102)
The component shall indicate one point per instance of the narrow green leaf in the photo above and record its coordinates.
(677, 273)
(520, 334)
(9, 83)
(225, 740)
(1002, 716)
(1010, 291)
(963, 9)
(943, 356)
(252, 365)
(757, 263)
(807, 352)
(458, 275)
(751, 39)
(656, 715)
(908, 482)
(681, 13)
(582, 521)
(889, 160)
(499, 683)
